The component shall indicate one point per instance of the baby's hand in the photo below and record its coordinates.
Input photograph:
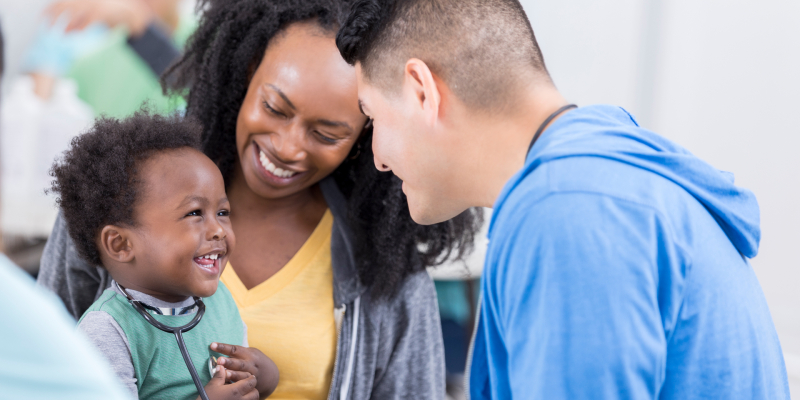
(249, 360)
(243, 388)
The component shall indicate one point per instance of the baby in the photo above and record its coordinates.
(143, 202)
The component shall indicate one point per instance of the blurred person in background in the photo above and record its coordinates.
(45, 357)
(90, 58)
(114, 50)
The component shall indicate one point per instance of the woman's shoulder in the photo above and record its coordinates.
(413, 298)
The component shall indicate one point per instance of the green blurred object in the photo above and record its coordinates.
(115, 81)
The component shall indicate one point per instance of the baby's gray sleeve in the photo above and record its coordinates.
(101, 328)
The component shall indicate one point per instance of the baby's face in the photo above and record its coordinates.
(183, 235)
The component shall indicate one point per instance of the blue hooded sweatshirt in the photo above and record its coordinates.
(617, 269)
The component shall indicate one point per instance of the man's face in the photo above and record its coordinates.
(423, 154)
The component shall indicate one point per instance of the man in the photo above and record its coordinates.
(617, 266)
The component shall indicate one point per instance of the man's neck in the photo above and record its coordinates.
(507, 145)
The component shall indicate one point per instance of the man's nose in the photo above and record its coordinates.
(377, 157)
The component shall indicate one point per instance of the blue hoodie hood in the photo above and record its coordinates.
(611, 132)
(606, 278)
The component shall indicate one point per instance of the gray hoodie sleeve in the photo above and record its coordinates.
(411, 345)
(65, 273)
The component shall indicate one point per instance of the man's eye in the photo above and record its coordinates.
(224, 213)
(195, 213)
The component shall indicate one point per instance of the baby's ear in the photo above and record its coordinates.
(116, 244)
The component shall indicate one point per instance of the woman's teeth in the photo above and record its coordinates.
(279, 172)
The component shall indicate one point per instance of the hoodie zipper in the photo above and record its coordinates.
(344, 387)
(336, 357)
(468, 369)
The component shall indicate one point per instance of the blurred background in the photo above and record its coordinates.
(721, 78)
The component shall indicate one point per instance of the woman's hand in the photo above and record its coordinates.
(135, 15)
(251, 361)
(242, 388)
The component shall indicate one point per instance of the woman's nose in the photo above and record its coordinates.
(288, 144)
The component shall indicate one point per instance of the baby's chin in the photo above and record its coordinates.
(206, 290)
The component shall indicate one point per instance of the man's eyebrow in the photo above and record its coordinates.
(283, 96)
(328, 122)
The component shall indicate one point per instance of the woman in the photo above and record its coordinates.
(329, 269)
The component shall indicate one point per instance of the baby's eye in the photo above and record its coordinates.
(195, 213)
(224, 213)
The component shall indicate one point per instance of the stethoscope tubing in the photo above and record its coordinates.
(177, 331)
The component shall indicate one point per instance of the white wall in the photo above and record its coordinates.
(722, 78)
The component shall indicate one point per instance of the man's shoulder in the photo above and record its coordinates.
(561, 188)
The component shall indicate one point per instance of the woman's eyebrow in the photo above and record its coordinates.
(283, 96)
(330, 123)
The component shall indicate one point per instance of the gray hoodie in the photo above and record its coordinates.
(388, 348)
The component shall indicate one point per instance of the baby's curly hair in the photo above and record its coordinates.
(96, 179)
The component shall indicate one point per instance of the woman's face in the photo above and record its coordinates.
(300, 117)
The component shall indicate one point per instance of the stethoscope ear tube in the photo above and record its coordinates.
(177, 331)
(188, 360)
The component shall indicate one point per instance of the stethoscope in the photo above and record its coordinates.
(177, 331)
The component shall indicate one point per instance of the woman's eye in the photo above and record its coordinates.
(326, 139)
(273, 111)
(224, 213)
(195, 213)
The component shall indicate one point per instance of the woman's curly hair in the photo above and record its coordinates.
(214, 75)
(97, 180)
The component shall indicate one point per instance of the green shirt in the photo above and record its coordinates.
(159, 367)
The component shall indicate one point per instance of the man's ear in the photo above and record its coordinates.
(424, 88)
(116, 244)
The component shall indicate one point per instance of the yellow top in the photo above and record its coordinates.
(290, 317)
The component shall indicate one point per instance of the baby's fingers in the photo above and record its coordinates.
(228, 349)
(233, 363)
(236, 376)
(244, 389)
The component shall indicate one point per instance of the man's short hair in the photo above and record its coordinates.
(480, 48)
